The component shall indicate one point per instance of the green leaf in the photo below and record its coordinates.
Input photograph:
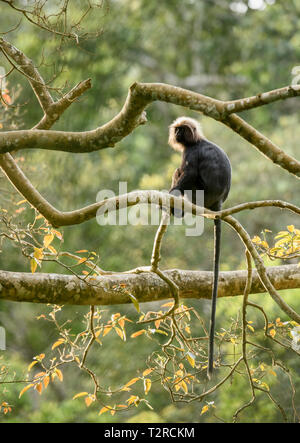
(135, 302)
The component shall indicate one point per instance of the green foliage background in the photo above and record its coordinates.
(202, 45)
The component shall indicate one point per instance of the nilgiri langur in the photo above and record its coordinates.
(204, 166)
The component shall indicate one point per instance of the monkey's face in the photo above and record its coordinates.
(184, 134)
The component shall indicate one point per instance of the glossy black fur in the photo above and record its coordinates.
(206, 167)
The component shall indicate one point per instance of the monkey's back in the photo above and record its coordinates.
(213, 174)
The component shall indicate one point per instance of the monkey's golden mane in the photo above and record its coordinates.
(191, 123)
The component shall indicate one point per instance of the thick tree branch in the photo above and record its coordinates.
(58, 218)
(145, 286)
(262, 144)
(141, 95)
(131, 116)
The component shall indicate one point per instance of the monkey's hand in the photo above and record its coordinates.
(176, 176)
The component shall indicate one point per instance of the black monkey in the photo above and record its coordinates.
(205, 167)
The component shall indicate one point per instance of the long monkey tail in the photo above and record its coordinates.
(217, 235)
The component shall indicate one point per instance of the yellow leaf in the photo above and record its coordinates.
(282, 234)
(121, 322)
(256, 239)
(133, 399)
(159, 331)
(147, 372)
(251, 328)
(183, 385)
(81, 394)
(58, 234)
(39, 387)
(89, 400)
(272, 333)
(39, 375)
(58, 343)
(25, 389)
(191, 359)
(31, 365)
(264, 244)
(59, 374)
(46, 381)
(157, 323)
(281, 242)
(204, 409)
(107, 329)
(131, 382)
(33, 265)
(136, 334)
(135, 302)
(147, 385)
(82, 260)
(48, 239)
(104, 409)
(167, 305)
(21, 202)
(120, 333)
(264, 385)
(38, 253)
(177, 387)
(53, 250)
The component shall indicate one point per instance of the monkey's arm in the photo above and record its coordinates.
(186, 178)
(175, 177)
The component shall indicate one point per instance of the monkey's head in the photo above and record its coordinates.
(184, 132)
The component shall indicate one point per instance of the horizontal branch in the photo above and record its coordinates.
(244, 104)
(145, 286)
(58, 218)
(140, 95)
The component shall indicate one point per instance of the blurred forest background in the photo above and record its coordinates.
(219, 48)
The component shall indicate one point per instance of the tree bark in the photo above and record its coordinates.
(113, 289)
